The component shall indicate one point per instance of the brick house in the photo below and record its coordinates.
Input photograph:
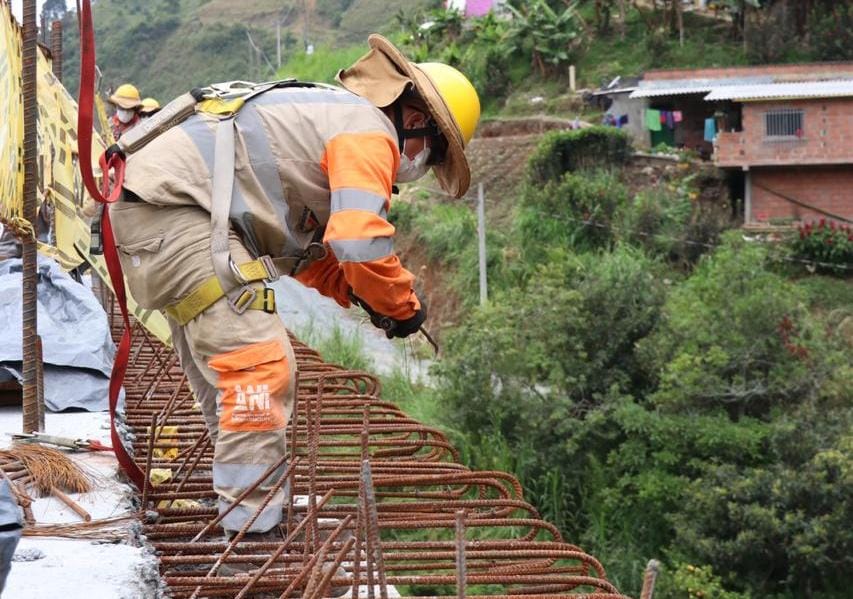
(795, 148)
(784, 133)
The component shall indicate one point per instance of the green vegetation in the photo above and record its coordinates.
(323, 64)
(167, 47)
(828, 245)
(663, 388)
(560, 151)
(336, 346)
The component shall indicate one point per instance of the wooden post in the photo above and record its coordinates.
(29, 275)
(481, 234)
(278, 45)
(572, 82)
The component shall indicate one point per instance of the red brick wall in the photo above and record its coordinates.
(781, 72)
(827, 135)
(827, 187)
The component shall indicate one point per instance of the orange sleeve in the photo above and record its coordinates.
(361, 168)
(327, 277)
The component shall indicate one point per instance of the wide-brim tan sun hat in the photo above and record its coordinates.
(382, 75)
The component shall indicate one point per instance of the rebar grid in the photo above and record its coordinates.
(375, 500)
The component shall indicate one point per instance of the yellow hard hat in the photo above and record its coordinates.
(384, 73)
(458, 93)
(126, 96)
(149, 106)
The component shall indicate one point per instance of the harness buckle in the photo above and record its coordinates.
(269, 266)
(244, 300)
(235, 270)
(269, 300)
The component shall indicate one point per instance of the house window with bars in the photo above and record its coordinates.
(783, 123)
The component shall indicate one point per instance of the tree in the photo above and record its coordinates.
(53, 10)
(737, 336)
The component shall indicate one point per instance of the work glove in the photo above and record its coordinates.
(391, 326)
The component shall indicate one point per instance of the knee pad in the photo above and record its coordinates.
(254, 382)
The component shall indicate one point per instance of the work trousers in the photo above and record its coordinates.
(241, 367)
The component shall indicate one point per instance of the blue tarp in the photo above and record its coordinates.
(76, 343)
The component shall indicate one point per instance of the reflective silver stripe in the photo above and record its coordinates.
(204, 138)
(357, 199)
(243, 475)
(361, 250)
(307, 96)
(263, 163)
(237, 518)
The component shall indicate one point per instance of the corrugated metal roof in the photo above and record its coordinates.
(651, 92)
(607, 92)
(678, 87)
(805, 89)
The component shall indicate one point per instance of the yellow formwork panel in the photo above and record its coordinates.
(60, 189)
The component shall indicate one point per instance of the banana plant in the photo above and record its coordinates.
(551, 36)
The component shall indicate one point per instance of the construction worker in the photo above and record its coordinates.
(127, 102)
(313, 170)
(149, 107)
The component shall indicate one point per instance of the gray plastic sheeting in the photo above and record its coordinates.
(76, 344)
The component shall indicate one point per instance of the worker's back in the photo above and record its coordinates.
(283, 142)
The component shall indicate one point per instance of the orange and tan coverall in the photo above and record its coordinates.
(304, 158)
(118, 127)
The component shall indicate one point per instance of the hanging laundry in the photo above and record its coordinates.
(623, 120)
(663, 117)
(677, 116)
(653, 119)
(670, 119)
(710, 129)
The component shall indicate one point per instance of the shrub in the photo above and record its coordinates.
(739, 337)
(686, 581)
(593, 147)
(575, 211)
(538, 359)
(655, 220)
(792, 508)
(827, 243)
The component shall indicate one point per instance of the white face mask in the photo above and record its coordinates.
(124, 115)
(412, 169)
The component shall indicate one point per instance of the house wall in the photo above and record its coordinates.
(473, 8)
(636, 110)
(827, 131)
(782, 72)
(827, 187)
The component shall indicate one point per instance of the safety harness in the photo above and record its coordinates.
(236, 282)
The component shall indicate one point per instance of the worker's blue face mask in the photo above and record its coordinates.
(412, 169)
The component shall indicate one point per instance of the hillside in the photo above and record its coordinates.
(168, 46)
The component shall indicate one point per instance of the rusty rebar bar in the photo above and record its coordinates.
(435, 514)
(649, 578)
(460, 554)
(56, 49)
(29, 268)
